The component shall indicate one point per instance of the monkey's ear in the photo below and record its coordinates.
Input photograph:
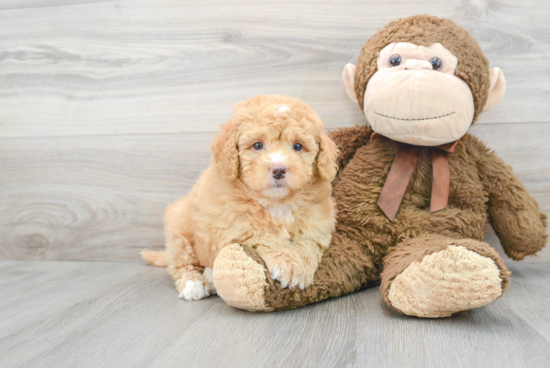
(348, 75)
(226, 154)
(496, 88)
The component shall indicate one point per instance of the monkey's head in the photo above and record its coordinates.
(423, 80)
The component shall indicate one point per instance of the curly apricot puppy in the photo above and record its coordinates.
(268, 187)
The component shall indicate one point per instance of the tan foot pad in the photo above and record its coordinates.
(239, 280)
(446, 282)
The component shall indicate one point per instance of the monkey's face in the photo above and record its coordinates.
(415, 97)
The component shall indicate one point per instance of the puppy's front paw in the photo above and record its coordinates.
(289, 268)
(305, 278)
(194, 290)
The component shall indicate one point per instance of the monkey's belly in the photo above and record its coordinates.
(360, 219)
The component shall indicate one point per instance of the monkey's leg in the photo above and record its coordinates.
(191, 279)
(436, 276)
(242, 281)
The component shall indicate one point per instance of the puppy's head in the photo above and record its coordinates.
(275, 145)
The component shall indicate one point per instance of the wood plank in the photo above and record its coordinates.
(28, 4)
(103, 198)
(452, 342)
(82, 304)
(121, 314)
(142, 67)
(531, 294)
(93, 198)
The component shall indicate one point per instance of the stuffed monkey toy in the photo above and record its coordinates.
(415, 193)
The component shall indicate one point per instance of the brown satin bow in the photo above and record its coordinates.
(401, 171)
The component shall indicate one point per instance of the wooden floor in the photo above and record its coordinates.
(107, 111)
(84, 314)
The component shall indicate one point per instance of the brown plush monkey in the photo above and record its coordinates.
(415, 193)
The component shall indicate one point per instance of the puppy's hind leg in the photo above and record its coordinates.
(209, 275)
(185, 268)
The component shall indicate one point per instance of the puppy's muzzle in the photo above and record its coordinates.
(278, 172)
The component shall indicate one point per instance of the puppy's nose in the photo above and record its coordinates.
(278, 172)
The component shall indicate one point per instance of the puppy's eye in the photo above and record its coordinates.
(258, 146)
(395, 60)
(436, 63)
(297, 147)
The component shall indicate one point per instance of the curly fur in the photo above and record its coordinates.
(237, 200)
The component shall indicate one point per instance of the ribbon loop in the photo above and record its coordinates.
(441, 180)
(401, 172)
(398, 179)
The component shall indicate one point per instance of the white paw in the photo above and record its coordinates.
(194, 290)
(210, 278)
(290, 270)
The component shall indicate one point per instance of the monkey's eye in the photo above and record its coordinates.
(258, 146)
(395, 60)
(297, 147)
(436, 63)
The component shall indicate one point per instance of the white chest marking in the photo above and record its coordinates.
(283, 212)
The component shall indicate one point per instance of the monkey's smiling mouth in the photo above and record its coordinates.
(431, 118)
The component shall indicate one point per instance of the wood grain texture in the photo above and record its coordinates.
(95, 314)
(166, 66)
(107, 108)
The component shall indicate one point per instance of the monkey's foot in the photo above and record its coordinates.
(443, 283)
(240, 281)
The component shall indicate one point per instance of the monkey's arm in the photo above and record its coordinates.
(514, 213)
(348, 140)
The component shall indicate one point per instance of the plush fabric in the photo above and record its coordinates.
(243, 276)
(421, 271)
(425, 30)
(429, 264)
(418, 106)
(459, 277)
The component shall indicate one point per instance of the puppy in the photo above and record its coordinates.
(268, 186)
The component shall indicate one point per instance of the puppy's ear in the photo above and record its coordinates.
(226, 155)
(326, 159)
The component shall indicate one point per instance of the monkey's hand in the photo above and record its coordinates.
(514, 213)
